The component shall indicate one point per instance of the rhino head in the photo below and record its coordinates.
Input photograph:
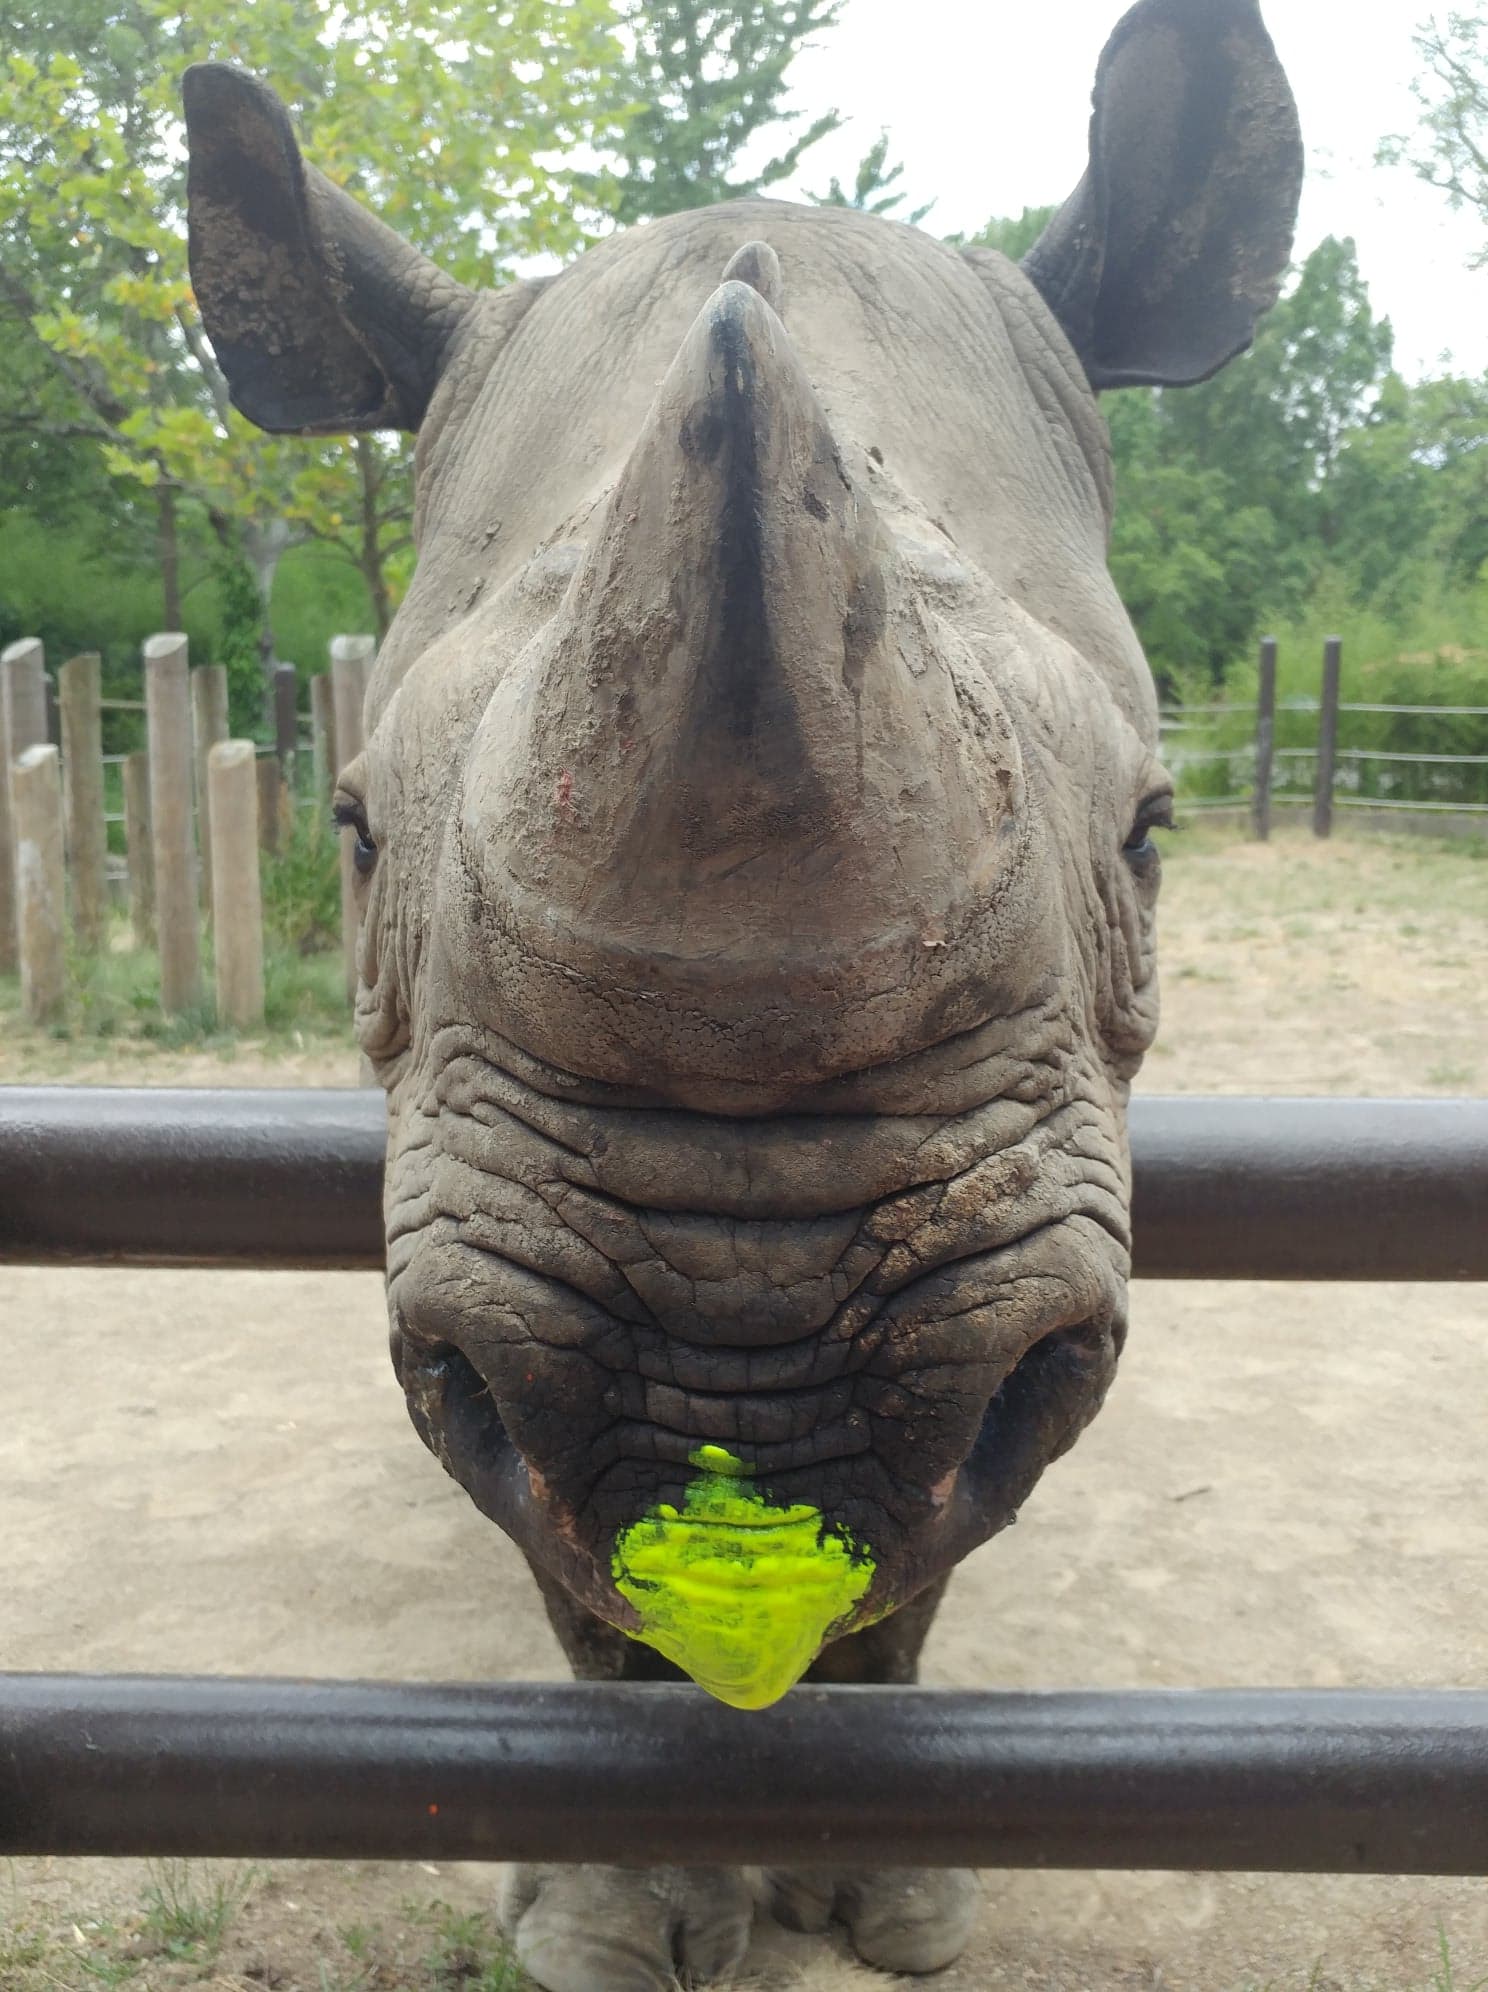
(754, 836)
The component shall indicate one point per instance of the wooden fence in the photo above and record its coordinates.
(198, 808)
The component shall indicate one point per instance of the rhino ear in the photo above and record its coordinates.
(1177, 239)
(322, 318)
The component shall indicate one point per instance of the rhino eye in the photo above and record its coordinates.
(353, 816)
(1155, 813)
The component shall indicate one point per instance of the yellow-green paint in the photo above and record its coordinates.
(738, 1593)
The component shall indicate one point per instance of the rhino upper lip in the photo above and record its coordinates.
(461, 1420)
(1035, 1387)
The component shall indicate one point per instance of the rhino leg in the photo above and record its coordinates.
(900, 1919)
(616, 1929)
(621, 1929)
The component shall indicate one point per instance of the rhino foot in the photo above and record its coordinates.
(622, 1929)
(900, 1919)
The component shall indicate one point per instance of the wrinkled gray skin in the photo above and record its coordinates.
(757, 938)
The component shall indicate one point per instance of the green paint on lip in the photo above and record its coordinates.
(737, 1593)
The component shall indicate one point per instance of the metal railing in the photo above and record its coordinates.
(1328, 1781)
(1223, 1188)
(1325, 1781)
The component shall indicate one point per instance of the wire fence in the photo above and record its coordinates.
(1334, 753)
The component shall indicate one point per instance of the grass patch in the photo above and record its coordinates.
(113, 996)
(188, 1912)
(469, 1951)
(1454, 1078)
(1425, 881)
(186, 1916)
(435, 1948)
(301, 885)
(1445, 1978)
(113, 999)
(20, 1949)
(208, 1924)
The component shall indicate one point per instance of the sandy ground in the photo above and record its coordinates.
(215, 1473)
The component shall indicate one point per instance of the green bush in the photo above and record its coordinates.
(1418, 661)
(76, 592)
(317, 595)
(302, 885)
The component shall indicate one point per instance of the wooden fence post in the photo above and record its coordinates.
(36, 790)
(322, 734)
(82, 796)
(270, 789)
(209, 724)
(237, 930)
(168, 722)
(9, 938)
(20, 667)
(1327, 745)
(1265, 744)
(23, 686)
(286, 718)
(351, 657)
(137, 847)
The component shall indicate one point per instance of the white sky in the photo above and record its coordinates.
(987, 101)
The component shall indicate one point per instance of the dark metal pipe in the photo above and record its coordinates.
(1274, 1189)
(1312, 1782)
(182, 1176)
(1278, 1189)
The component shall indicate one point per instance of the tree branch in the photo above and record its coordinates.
(109, 411)
(206, 359)
(35, 425)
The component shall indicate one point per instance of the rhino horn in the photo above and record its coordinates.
(737, 757)
(732, 600)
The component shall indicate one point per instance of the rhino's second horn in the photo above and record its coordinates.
(757, 265)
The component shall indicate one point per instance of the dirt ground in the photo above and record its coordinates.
(214, 1472)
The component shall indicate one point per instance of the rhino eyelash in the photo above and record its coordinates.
(353, 816)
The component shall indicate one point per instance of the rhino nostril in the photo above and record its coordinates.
(1040, 1407)
(450, 1401)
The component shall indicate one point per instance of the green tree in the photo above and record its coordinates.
(1277, 418)
(1449, 147)
(443, 113)
(1451, 439)
(1195, 566)
(1014, 235)
(49, 461)
(703, 81)
(1387, 503)
(874, 188)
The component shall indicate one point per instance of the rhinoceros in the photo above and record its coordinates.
(754, 846)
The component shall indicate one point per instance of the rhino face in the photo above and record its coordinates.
(757, 939)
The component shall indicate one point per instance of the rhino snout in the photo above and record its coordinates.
(670, 1405)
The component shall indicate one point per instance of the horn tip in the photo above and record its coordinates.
(757, 265)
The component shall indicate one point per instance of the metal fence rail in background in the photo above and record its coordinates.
(1284, 1782)
(1224, 1188)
